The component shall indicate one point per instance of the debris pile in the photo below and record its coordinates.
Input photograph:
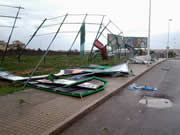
(82, 82)
(79, 82)
(141, 60)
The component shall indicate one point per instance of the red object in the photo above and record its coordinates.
(98, 44)
(104, 53)
(101, 47)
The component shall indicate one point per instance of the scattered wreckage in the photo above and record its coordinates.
(141, 60)
(83, 81)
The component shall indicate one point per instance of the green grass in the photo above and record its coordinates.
(9, 87)
(52, 64)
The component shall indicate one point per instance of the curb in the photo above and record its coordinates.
(59, 128)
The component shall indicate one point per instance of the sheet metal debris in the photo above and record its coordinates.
(141, 60)
(11, 77)
(121, 70)
(69, 87)
(8, 76)
(66, 82)
(98, 66)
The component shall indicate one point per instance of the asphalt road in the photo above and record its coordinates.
(124, 115)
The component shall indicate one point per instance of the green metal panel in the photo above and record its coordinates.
(78, 82)
(82, 39)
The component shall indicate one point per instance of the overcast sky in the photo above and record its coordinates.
(130, 15)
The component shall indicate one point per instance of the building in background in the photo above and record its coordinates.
(14, 46)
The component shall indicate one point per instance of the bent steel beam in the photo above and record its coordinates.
(45, 54)
(34, 34)
(4, 53)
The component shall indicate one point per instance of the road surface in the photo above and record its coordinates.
(124, 115)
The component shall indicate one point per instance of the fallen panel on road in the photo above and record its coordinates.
(70, 87)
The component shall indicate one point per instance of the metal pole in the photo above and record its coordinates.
(116, 26)
(103, 29)
(10, 6)
(46, 51)
(96, 37)
(55, 17)
(4, 53)
(69, 23)
(34, 34)
(149, 30)
(13, 17)
(4, 26)
(168, 37)
(85, 14)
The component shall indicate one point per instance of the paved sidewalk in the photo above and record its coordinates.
(43, 112)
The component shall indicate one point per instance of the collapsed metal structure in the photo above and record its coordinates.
(102, 27)
(72, 87)
(81, 32)
(62, 21)
(12, 27)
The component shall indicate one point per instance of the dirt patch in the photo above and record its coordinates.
(3, 83)
(24, 72)
(49, 70)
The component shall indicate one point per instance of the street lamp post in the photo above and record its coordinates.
(168, 36)
(149, 30)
